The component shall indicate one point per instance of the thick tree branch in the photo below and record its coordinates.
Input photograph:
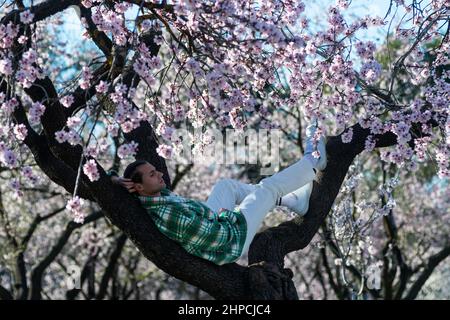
(99, 37)
(53, 167)
(41, 11)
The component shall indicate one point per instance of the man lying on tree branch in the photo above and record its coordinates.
(217, 230)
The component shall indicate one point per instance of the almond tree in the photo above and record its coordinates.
(223, 70)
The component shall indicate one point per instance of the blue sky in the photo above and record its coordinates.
(71, 31)
(314, 11)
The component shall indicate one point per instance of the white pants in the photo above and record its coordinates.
(257, 200)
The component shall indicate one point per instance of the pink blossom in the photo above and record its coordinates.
(369, 144)
(22, 39)
(165, 151)
(91, 171)
(316, 154)
(6, 67)
(28, 173)
(347, 136)
(113, 130)
(8, 34)
(102, 87)
(127, 150)
(365, 49)
(401, 129)
(371, 71)
(8, 158)
(86, 77)
(164, 131)
(127, 126)
(61, 136)
(342, 4)
(20, 131)
(75, 206)
(73, 138)
(376, 126)
(26, 17)
(87, 3)
(36, 112)
(73, 122)
(15, 185)
(9, 106)
(443, 158)
(67, 101)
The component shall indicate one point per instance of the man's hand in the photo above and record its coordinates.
(126, 183)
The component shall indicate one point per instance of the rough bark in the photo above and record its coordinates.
(264, 278)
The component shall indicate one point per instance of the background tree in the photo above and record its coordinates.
(220, 64)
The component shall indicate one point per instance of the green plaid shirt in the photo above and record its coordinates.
(202, 232)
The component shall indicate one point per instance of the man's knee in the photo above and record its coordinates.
(268, 185)
(225, 182)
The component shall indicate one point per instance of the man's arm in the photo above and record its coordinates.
(126, 183)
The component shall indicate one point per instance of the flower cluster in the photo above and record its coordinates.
(365, 49)
(371, 71)
(110, 21)
(75, 206)
(102, 87)
(67, 101)
(91, 171)
(71, 136)
(27, 172)
(35, 112)
(126, 115)
(7, 157)
(26, 17)
(146, 64)
(28, 71)
(20, 131)
(6, 66)
(442, 158)
(165, 151)
(7, 35)
(347, 136)
(8, 106)
(86, 77)
(127, 150)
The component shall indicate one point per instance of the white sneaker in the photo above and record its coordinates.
(302, 195)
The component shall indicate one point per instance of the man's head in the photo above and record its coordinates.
(147, 180)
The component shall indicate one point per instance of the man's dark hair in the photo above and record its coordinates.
(132, 173)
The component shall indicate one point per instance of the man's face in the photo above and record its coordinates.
(152, 181)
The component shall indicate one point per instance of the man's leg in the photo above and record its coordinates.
(227, 193)
(264, 198)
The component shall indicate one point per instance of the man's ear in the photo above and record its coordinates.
(138, 186)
